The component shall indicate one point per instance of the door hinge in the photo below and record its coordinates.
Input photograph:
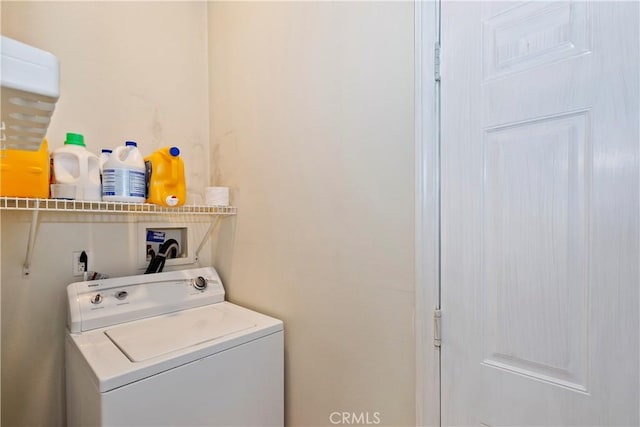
(436, 61)
(437, 317)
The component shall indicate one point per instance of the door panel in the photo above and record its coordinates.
(540, 213)
(534, 227)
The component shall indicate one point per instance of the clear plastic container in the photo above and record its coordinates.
(123, 175)
(73, 164)
(165, 177)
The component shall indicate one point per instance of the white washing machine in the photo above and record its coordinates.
(166, 349)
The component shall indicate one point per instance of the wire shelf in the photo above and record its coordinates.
(61, 205)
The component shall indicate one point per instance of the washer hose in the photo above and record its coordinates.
(168, 249)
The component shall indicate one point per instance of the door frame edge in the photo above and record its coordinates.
(427, 210)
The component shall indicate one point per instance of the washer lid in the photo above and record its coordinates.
(149, 338)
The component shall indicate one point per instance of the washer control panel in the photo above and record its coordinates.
(101, 303)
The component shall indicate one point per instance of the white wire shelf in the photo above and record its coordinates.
(61, 205)
(83, 206)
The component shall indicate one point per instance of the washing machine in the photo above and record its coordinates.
(166, 349)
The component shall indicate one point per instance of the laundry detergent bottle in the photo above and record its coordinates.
(123, 175)
(25, 173)
(104, 156)
(73, 164)
(165, 177)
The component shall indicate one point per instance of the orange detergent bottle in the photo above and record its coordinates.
(25, 173)
(165, 177)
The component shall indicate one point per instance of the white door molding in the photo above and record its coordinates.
(427, 211)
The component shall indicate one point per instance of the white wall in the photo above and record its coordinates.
(129, 70)
(312, 128)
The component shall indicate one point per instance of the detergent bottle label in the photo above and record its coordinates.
(123, 182)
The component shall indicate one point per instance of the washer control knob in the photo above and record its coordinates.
(96, 299)
(122, 294)
(200, 283)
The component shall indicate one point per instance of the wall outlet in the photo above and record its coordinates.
(77, 267)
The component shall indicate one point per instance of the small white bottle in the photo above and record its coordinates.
(123, 175)
(104, 156)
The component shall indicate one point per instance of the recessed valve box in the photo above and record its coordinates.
(172, 241)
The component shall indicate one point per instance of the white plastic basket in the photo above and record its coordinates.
(30, 87)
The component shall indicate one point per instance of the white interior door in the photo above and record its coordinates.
(540, 213)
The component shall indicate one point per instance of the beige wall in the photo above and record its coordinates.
(312, 127)
(128, 71)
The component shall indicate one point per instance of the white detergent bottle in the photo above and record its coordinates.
(123, 175)
(104, 155)
(73, 164)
